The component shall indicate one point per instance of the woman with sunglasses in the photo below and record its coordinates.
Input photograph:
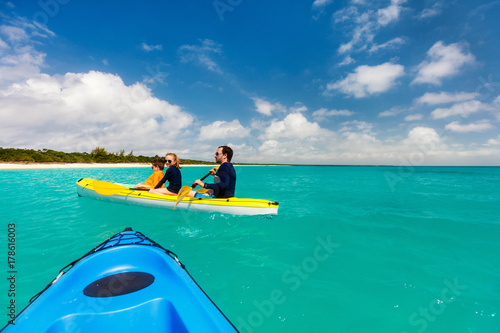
(172, 175)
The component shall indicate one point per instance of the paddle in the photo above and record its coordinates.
(107, 188)
(186, 189)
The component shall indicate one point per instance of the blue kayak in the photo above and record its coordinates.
(129, 283)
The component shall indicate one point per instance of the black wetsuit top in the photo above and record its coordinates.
(227, 185)
(174, 177)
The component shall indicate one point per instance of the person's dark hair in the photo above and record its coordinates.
(158, 162)
(228, 151)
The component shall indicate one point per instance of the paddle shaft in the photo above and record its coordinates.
(194, 185)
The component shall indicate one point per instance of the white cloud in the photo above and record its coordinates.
(413, 117)
(394, 111)
(266, 108)
(202, 54)
(323, 114)
(3, 45)
(321, 3)
(473, 127)
(40, 30)
(359, 142)
(358, 145)
(79, 111)
(393, 43)
(295, 125)
(19, 29)
(271, 147)
(14, 34)
(223, 129)
(20, 67)
(369, 80)
(354, 125)
(19, 60)
(364, 30)
(345, 14)
(443, 61)
(347, 61)
(345, 48)
(298, 107)
(366, 24)
(460, 109)
(430, 11)
(360, 139)
(444, 98)
(423, 136)
(390, 13)
(149, 48)
(494, 142)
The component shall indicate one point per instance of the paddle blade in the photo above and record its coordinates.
(182, 193)
(203, 190)
(106, 188)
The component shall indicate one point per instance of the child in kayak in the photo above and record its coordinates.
(157, 165)
(172, 175)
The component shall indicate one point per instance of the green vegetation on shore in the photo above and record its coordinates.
(98, 155)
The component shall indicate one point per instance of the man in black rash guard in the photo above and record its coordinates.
(226, 186)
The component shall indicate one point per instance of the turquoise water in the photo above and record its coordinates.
(353, 249)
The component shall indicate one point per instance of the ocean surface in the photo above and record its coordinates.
(352, 249)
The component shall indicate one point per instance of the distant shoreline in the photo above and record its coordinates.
(26, 166)
(21, 165)
(56, 165)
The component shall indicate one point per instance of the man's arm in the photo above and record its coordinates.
(223, 174)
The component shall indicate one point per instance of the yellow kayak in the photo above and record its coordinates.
(117, 193)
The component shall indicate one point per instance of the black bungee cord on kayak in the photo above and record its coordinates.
(114, 241)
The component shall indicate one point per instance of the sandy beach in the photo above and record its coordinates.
(5, 165)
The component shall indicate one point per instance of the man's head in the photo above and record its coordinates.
(223, 154)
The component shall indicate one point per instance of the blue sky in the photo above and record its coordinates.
(397, 82)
